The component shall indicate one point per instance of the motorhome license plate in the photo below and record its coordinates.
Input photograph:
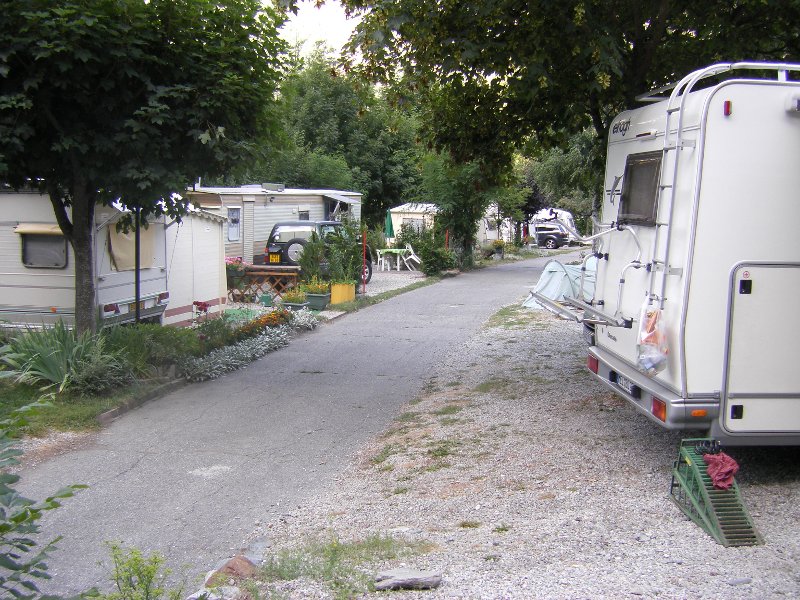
(132, 306)
(275, 258)
(626, 384)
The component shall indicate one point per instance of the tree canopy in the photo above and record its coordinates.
(339, 132)
(493, 72)
(130, 101)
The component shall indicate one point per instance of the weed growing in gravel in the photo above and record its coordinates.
(384, 454)
(513, 317)
(447, 421)
(409, 417)
(442, 448)
(450, 409)
(400, 490)
(337, 564)
(502, 528)
(494, 384)
(469, 524)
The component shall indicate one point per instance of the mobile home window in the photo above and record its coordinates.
(639, 204)
(44, 251)
(234, 217)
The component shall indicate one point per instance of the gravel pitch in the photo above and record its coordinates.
(530, 480)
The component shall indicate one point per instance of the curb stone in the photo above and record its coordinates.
(158, 391)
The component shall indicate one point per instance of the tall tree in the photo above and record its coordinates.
(496, 71)
(329, 111)
(129, 100)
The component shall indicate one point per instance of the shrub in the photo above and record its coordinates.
(148, 347)
(312, 257)
(224, 360)
(57, 356)
(139, 577)
(304, 319)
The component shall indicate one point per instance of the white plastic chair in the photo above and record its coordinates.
(410, 258)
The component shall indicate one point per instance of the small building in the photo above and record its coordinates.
(418, 215)
(252, 210)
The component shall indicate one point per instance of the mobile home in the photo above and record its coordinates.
(252, 210)
(693, 315)
(38, 280)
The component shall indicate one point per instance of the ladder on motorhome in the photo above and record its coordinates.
(673, 147)
(721, 513)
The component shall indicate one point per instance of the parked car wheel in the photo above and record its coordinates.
(551, 244)
(293, 250)
(367, 271)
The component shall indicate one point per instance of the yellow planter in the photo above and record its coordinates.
(342, 292)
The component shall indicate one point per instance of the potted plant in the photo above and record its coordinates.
(499, 247)
(294, 298)
(344, 263)
(318, 293)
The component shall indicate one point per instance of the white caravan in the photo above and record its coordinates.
(694, 310)
(37, 264)
(564, 216)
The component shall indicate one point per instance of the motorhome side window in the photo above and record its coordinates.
(639, 204)
(44, 251)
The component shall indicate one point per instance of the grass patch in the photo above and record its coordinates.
(442, 448)
(450, 409)
(515, 316)
(339, 565)
(68, 413)
(400, 490)
(409, 417)
(447, 421)
(384, 454)
(494, 384)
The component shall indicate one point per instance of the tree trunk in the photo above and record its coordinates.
(80, 234)
(83, 246)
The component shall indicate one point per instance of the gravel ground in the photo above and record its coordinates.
(529, 480)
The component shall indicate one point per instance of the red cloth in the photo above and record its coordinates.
(721, 469)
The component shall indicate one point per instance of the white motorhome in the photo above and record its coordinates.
(37, 281)
(693, 312)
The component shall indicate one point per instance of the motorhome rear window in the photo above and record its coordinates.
(639, 204)
(44, 251)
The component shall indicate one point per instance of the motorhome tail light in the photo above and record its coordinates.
(699, 413)
(726, 108)
(659, 409)
(110, 309)
(593, 364)
(163, 297)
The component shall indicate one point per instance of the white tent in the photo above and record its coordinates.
(559, 281)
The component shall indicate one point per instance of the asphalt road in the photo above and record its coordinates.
(191, 474)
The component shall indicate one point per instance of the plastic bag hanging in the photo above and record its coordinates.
(651, 343)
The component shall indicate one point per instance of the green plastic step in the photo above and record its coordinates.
(721, 513)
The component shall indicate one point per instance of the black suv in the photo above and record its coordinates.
(551, 236)
(288, 238)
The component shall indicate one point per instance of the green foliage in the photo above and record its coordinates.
(58, 356)
(344, 253)
(337, 563)
(312, 258)
(139, 577)
(429, 245)
(22, 560)
(567, 177)
(488, 74)
(113, 101)
(341, 134)
(150, 348)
